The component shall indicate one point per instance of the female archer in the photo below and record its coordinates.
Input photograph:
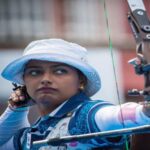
(55, 76)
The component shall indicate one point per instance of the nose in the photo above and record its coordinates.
(46, 79)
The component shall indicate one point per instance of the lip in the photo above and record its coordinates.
(46, 90)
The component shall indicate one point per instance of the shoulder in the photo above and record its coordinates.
(92, 105)
(83, 120)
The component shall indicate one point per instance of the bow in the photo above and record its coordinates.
(140, 26)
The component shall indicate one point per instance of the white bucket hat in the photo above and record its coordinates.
(54, 50)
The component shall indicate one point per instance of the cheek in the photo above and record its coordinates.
(30, 86)
(71, 83)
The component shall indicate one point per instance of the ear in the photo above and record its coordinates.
(82, 80)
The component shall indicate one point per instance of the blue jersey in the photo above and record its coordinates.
(76, 116)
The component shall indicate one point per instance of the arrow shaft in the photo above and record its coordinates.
(65, 139)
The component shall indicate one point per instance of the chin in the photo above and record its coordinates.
(44, 98)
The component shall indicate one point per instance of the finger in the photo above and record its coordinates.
(18, 92)
(13, 95)
(15, 99)
(22, 98)
(145, 104)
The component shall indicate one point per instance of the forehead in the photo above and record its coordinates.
(39, 63)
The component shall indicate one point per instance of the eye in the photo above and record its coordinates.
(33, 72)
(60, 71)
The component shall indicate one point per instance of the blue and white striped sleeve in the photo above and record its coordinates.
(8, 145)
(11, 121)
(117, 117)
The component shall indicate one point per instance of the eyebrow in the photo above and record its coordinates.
(52, 66)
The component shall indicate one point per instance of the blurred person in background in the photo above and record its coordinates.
(55, 76)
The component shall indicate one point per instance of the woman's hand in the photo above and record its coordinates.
(20, 98)
(146, 108)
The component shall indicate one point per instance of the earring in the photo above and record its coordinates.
(81, 87)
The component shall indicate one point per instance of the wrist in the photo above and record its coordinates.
(146, 108)
(17, 109)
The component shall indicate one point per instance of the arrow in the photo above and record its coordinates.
(66, 139)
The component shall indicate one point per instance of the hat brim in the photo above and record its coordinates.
(15, 70)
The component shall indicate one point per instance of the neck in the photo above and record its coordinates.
(46, 109)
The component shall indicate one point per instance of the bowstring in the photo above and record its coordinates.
(114, 68)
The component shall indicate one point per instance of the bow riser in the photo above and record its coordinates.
(140, 26)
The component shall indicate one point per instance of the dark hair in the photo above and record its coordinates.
(82, 77)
